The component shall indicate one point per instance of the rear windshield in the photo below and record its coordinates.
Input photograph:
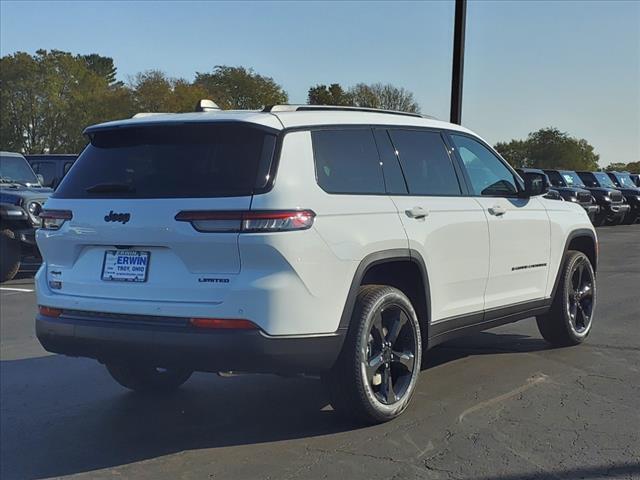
(173, 161)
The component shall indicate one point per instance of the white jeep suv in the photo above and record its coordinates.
(318, 240)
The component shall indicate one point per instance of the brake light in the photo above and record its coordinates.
(53, 219)
(49, 311)
(223, 323)
(248, 221)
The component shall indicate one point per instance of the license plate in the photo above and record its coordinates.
(125, 265)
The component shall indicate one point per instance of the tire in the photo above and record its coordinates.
(378, 367)
(599, 220)
(146, 378)
(570, 318)
(9, 255)
(612, 222)
(629, 219)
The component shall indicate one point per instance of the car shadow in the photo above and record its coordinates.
(62, 416)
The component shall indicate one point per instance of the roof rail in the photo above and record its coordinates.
(148, 114)
(307, 108)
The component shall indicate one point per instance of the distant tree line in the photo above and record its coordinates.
(552, 148)
(549, 148)
(47, 99)
(377, 95)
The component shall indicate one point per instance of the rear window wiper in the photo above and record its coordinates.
(111, 188)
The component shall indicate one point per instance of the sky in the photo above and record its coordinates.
(574, 65)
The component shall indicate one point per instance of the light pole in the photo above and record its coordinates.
(457, 72)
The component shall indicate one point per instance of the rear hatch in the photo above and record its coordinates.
(124, 193)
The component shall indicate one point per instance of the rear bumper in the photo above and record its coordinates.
(182, 345)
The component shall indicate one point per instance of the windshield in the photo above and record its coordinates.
(572, 179)
(16, 169)
(171, 161)
(604, 180)
(625, 180)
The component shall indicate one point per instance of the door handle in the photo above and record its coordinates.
(416, 212)
(497, 210)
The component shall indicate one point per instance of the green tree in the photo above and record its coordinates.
(615, 167)
(333, 94)
(240, 88)
(516, 152)
(153, 91)
(47, 99)
(633, 167)
(383, 96)
(102, 66)
(550, 148)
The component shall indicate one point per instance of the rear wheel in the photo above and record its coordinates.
(146, 378)
(9, 255)
(378, 368)
(570, 318)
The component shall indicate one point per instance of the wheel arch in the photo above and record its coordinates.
(404, 269)
(582, 240)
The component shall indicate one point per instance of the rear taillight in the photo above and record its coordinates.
(223, 323)
(248, 221)
(53, 219)
(49, 311)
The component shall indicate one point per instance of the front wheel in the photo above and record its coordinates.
(377, 371)
(142, 378)
(570, 318)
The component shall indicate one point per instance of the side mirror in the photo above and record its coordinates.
(40, 178)
(535, 184)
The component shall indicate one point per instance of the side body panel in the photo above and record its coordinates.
(453, 240)
(520, 250)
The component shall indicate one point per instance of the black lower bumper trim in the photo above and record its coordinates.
(198, 350)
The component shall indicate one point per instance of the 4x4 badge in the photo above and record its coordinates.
(117, 217)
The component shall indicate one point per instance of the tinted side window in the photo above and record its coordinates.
(555, 178)
(425, 162)
(347, 161)
(393, 178)
(488, 175)
(47, 170)
(588, 179)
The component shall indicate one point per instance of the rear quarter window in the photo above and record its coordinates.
(347, 161)
(171, 161)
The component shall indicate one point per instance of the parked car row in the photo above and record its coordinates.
(22, 196)
(25, 183)
(609, 198)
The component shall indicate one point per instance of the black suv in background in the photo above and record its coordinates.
(571, 188)
(612, 204)
(52, 167)
(21, 199)
(631, 194)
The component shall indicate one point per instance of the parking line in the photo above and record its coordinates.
(12, 289)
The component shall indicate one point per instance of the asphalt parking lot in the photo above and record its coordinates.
(499, 405)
